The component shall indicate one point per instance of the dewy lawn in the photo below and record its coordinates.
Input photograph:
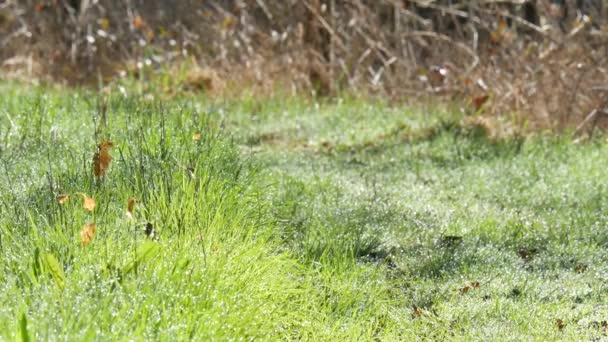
(282, 219)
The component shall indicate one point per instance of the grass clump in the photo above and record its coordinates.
(196, 256)
(208, 273)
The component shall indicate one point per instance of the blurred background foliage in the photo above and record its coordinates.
(538, 64)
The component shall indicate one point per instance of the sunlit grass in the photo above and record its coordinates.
(290, 219)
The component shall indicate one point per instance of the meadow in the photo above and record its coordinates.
(292, 219)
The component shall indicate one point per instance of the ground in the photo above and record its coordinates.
(289, 218)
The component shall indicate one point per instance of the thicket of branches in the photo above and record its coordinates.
(541, 62)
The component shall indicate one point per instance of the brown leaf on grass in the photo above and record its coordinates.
(467, 288)
(62, 198)
(139, 23)
(87, 234)
(131, 207)
(196, 136)
(149, 33)
(479, 101)
(417, 312)
(560, 324)
(131, 204)
(88, 203)
(497, 35)
(102, 158)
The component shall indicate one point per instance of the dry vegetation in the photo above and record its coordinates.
(538, 64)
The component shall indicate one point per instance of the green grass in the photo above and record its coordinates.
(346, 220)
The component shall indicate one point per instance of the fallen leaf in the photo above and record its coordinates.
(88, 203)
(138, 22)
(479, 101)
(196, 136)
(87, 234)
(417, 312)
(497, 35)
(560, 324)
(62, 198)
(465, 289)
(131, 205)
(102, 158)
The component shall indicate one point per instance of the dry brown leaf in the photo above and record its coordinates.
(465, 289)
(497, 35)
(479, 101)
(102, 158)
(131, 207)
(139, 23)
(62, 198)
(88, 203)
(417, 312)
(131, 204)
(560, 324)
(149, 33)
(87, 234)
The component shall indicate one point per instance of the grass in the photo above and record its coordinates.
(287, 219)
